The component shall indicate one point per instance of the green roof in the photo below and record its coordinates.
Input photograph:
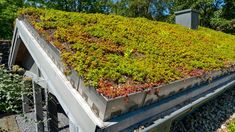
(120, 55)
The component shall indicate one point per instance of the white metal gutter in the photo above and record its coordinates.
(189, 107)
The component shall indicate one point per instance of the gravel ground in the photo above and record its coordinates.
(27, 125)
(210, 117)
(8, 123)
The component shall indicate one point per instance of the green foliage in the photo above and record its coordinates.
(231, 127)
(222, 24)
(205, 7)
(12, 87)
(213, 13)
(72, 5)
(131, 51)
(229, 9)
(8, 13)
(151, 9)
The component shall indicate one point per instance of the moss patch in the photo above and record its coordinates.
(120, 55)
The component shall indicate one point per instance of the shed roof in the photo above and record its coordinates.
(120, 55)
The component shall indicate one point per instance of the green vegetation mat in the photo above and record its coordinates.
(120, 55)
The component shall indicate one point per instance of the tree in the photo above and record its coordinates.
(151, 9)
(8, 9)
(224, 18)
(215, 14)
(205, 7)
(229, 9)
(90, 6)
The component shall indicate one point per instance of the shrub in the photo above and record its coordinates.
(12, 86)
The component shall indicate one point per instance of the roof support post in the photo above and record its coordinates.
(46, 107)
(25, 99)
(37, 96)
(52, 115)
(25, 103)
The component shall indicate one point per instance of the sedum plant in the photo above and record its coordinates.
(120, 55)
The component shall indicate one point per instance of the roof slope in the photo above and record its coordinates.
(120, 55)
